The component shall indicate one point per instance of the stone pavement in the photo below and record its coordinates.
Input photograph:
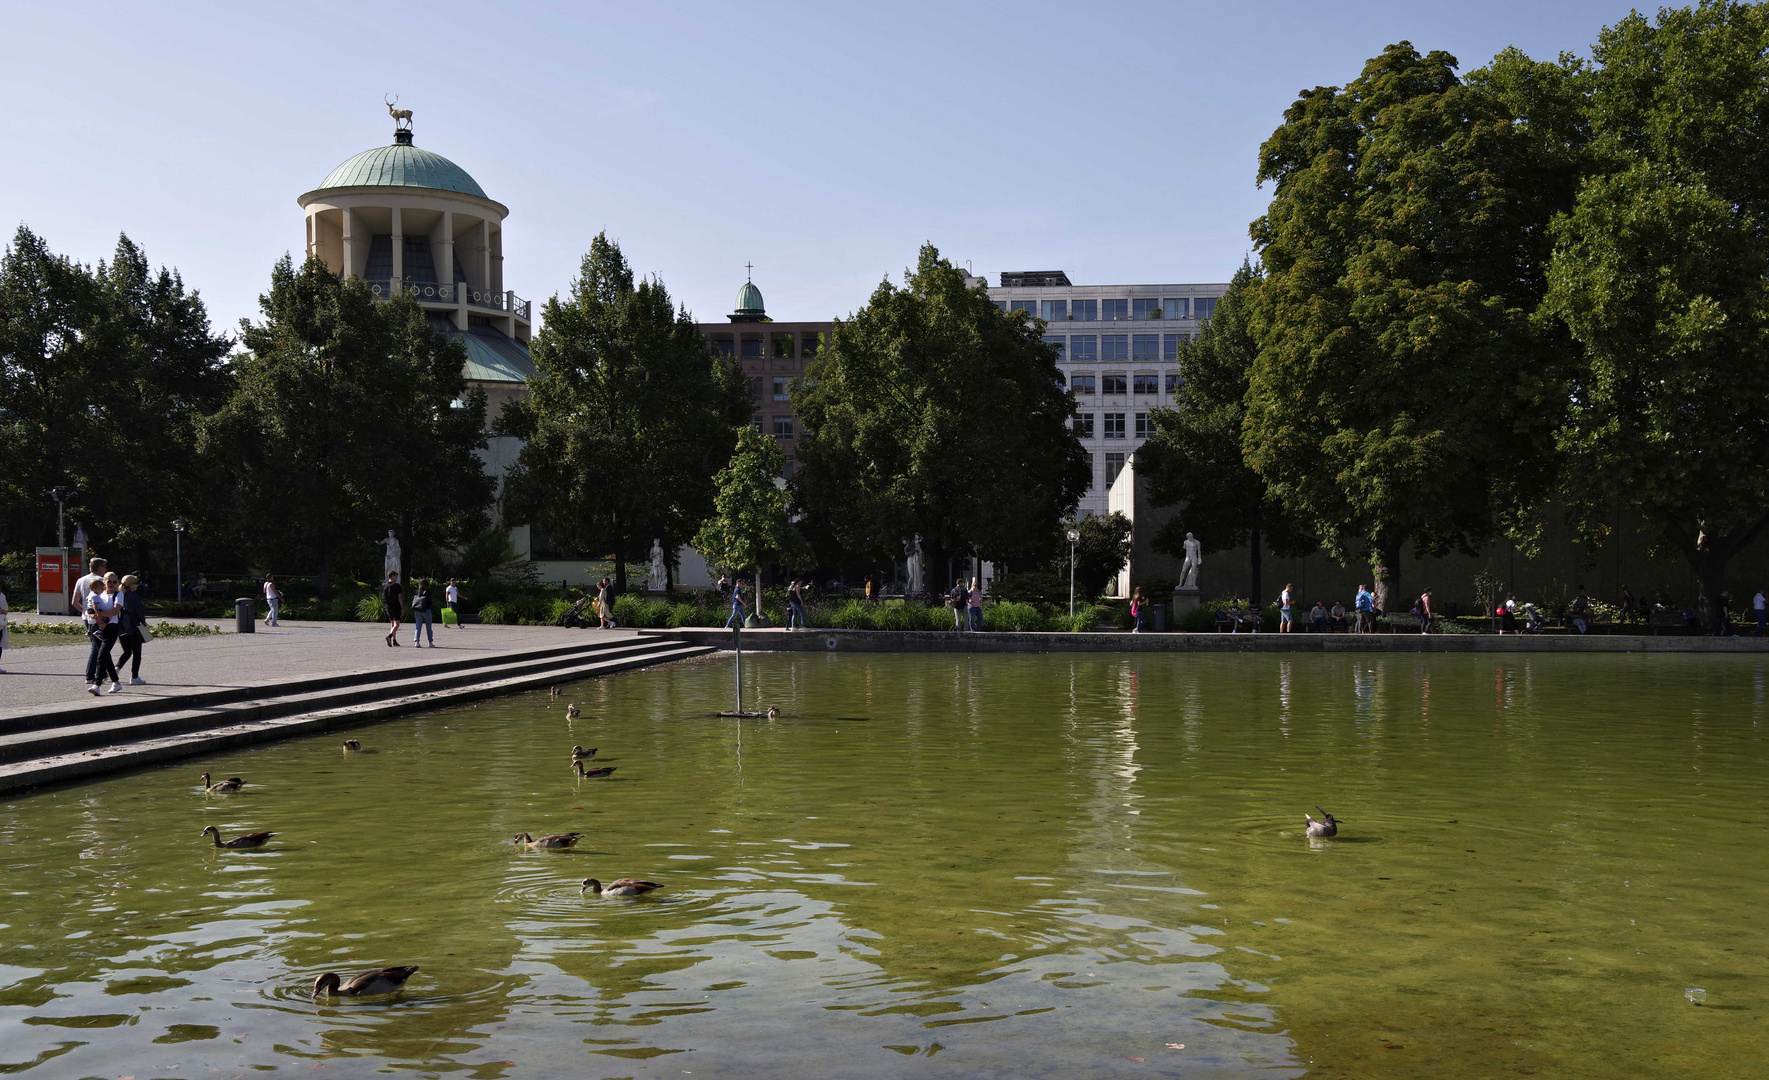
(40, 675)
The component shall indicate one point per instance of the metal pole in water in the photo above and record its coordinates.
(737, 643)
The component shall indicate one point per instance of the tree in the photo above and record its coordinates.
(933, 414)
(1195, 455)
(1100, 553)
(751, 525)
(1659, 273)
(351, 416)
(1402, 393)
(102, 376)
(627, 420)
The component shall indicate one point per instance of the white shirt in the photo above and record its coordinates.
(109, 605)
(1758, 601)
(270, 590)
(85, 588)
(1284, 598)
(453, 595)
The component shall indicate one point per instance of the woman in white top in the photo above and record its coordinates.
(274, 597)
(104, 610)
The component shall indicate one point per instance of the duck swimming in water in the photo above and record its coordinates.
(578, 753)
(773, 712)
(379, 981)
(1327, 826)
(352, 744)
(248, 840)
(626, 886)
(592, 774)
(552, 841)
(571, 711)
(232, 783)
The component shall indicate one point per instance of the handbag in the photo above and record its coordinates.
(144, 633)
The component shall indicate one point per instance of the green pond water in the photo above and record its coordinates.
(1003, 866)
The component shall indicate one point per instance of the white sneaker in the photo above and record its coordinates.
(138, 681)
(93, 689)
(116, 688)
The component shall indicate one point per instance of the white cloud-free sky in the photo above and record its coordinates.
(822, 141)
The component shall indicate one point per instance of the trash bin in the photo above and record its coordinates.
(1160, 620)
(245, 615)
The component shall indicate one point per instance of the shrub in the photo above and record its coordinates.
(1200, 619)
(637, 611)
(172, 630)
(557, 611)
(1012, 616)
(370, 609)
(493, 613)
(852, 615)
(1034, 587)
(341, 609)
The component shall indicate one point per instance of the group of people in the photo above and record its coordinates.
(113, 613)
(423, 607)
(967, 605)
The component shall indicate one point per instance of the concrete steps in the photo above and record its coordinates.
(40, 747)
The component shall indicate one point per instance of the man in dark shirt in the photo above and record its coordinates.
(393, 595)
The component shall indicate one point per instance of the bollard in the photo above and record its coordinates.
(245, 615)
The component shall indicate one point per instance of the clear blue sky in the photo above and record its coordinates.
(822, 141)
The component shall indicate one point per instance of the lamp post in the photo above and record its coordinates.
(61, 493)
(178, 547)
(1074, 535)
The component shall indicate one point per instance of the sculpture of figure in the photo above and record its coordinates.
(657, 568)
(390, 560)
(398, 115)
(1194, 561)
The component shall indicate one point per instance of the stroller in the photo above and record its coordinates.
(574, 617)
(1533, 623)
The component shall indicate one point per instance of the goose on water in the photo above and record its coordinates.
(1327, 826)
(232, 783)
(552, 841)
(593, 774)
(578, 753)
(626, 886)
(245, 840)
(571, 712)
(773, 712)
(379, 981)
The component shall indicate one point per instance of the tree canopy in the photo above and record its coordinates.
(626, 422)
(931, 413)
(751, 524)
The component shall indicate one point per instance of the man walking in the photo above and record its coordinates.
(1759, 608)
(274, 597)
(1285, 600)
(393, 596)
(1366, 609)
(453, 596)
(83, 590)
(956, 598)
(738, 611)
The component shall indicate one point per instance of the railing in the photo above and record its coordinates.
(432, 292)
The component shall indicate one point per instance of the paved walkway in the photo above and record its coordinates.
(41, 675)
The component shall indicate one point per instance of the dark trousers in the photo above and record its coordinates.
(131, 654)
(98, 660)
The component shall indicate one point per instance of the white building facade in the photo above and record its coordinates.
(1117, 345)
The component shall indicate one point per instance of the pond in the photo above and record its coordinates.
(930, 865)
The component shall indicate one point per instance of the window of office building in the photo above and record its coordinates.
(1053, 310)
(1084, 310)
(722, 345)
(1083, 347)
(1030, 307)
(755, 388)
(1143, 429)
(756, 422)
(1081, 384)
(752, 348)
(1057, 340)
(783, 426)
(1114, 425)
(1114, 310)
(1170, 346)
(1083, 424)
(1114, 466)
(1114, 382)
(782, 345)
(1174, 307)
(1145, 384)
(1145, 308)
(1114, 346)
(809, 345)
(1203, 307)
(1143, 346)
(1174, 382)
(1002, 304)
(781, 383)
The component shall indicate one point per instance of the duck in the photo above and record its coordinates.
(244, 840)
(379, 981)
(352, 744)
(552, 841)
(626, 886)
(232, 783)
(1327, 826)
(773, 712)
(571, 711)
(578, 753)
(593, 774)
(555, 692)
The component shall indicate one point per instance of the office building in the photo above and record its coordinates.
(773, 354)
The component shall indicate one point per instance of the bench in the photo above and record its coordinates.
(1666, 620)
(1402, 620)
(1226, 624)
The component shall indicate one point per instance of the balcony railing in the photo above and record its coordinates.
(431, 292)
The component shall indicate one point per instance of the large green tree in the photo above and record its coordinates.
(751, 524)
(1660, 272)
(931, 413)
(1195, 457)
(103, 375)
(351, 416)
(1402, 393)
(626, 422)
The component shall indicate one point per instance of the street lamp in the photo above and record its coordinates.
(178, 547)
(62, 494)
(1074, 535)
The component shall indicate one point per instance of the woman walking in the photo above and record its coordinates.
(272, 596)
(103, 615)
(133, 634)
(795, 606)
(976, 604)
(604, 606)
(3, 631)
(421, 612)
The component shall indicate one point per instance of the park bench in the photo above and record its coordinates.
(1399, 621)
(1671, 621)
(1226, 624)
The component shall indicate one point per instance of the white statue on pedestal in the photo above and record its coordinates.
(658, 576)
(1194, 561)
(389, 561)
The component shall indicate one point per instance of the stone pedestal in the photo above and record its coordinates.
(1185, 601)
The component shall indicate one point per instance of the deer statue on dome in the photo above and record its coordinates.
(398, 114)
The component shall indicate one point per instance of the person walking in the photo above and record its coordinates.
(87, 585)
(1581, 612)
(738, 611)
(422, 621)
(1365, 605)
(4, 611)
(1759, 608)
(795, 606)
(957, 598)
(1285, 599)
(1628, 605)
(133, 633)
(604, 606)
(1137, 608)
(1508, 615)
(452, 595)
(976, 604)
(1424, 610)
(393, 596)
(273, 596)
(104, 611)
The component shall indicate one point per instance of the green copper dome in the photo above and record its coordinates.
(749, 300)
(403, 165)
